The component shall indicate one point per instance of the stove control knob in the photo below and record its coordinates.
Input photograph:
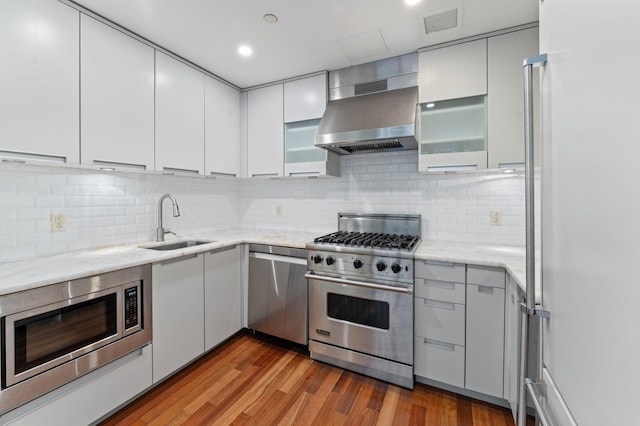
(357, 264)
(331, 260)
(317, 258)
(381, 266)
(396, 268)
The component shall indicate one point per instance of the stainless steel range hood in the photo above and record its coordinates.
(384, 121)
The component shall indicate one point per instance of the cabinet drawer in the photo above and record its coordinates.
(439, 361)
(445, 291)
(440, 271)
(486, 275)
(442, 321)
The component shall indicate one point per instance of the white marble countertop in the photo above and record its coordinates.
(30, 273)
(511, 258)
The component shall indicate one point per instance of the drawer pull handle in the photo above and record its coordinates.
(441, 305)
(439, 263)
(440, 345)
(440, 284)
(485, 289)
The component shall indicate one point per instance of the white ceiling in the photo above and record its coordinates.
(310, 35)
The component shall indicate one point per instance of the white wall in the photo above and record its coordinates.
(117, 208)
(454, 207)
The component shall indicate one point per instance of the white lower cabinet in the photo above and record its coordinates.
(89, 398)
(485, 330)
(222, 294)
(440, 361)
(178, 314)
(439, 350)
(459, 326)
(514, 297)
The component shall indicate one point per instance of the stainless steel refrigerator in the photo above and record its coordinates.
(589, 198)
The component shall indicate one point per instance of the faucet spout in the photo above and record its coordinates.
(160, 231)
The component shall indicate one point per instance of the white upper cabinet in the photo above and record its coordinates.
(117, 84)
(265, 132)
(179, 117)
(457, 71)
(222, 128)
(506, 96)
(304, 103)
(453, 86)
(39, 101)
(305, 99)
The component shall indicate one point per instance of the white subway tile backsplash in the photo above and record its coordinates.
(116, 208)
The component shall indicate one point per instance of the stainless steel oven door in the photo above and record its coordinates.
(368, 318)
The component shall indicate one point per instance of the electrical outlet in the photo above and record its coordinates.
(496, 217)
(58, 222)
(278, 209)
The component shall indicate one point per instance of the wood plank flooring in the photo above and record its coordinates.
(253, 380)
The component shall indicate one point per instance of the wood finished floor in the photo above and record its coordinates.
(252, 380)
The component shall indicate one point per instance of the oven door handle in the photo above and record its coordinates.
(311, 276)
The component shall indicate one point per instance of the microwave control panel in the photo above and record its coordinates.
(130, 307)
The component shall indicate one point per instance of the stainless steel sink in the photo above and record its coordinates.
(177, 245)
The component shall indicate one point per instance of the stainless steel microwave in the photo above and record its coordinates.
(56, 333)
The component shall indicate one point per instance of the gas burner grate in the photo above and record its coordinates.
(370, 240)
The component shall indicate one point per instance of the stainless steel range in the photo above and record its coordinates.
(361, 295)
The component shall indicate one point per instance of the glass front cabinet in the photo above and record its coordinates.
(304, 104)
(453, 107)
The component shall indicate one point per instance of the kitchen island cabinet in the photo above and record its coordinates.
(178, 314)
(117, 98)
(39, 105)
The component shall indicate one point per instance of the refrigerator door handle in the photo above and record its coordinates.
(529, 63)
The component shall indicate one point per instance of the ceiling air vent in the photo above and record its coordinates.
(370, 87)
(441, 21)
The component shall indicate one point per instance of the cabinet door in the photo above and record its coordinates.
(117, 84)
(90, 397)
(39, 105)
(512, 316)
(485, 339)
(506, 96)
(453, 72)
(222, 128)
(179, 116)
(222, 295)
(265, 132)
(178, 314)
(305, 99)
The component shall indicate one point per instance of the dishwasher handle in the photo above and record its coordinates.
(278, 258)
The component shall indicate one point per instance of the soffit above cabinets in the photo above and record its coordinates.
(309, 35)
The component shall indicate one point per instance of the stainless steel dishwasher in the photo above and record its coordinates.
(278, 292)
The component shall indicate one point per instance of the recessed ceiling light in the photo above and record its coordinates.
(270, 18)
(245, 50)
(411, 2)
(430, 105)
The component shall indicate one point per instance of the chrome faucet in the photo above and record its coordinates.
(176, 212)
